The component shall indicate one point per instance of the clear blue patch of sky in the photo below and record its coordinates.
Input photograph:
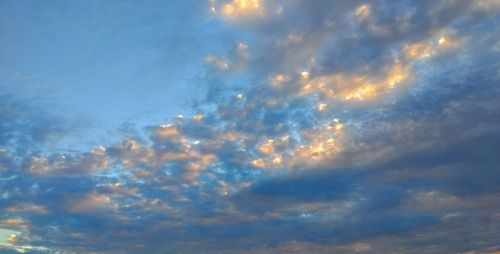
(107, 62)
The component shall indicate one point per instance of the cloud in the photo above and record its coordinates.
(25, 129)
(333, 126)
(237, 8)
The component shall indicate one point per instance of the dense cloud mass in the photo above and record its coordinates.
(326, 127)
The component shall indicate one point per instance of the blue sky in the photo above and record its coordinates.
(250, 126)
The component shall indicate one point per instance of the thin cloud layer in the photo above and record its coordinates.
(327, 127)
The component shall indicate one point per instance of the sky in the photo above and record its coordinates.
(250, 126)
